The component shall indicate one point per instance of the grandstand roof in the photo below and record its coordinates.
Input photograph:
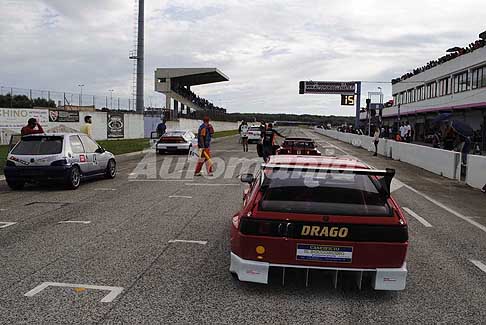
(192, 76)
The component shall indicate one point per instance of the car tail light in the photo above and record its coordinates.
(10, 163)
(61, 162)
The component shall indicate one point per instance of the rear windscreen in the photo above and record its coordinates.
(323, 193)
(38, 146)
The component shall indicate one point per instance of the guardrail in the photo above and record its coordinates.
(438, 161)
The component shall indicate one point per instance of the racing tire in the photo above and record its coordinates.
(110, 171)
(15, 184)
(160, 152)
(73, 178)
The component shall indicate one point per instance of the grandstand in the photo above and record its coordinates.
(176, 84)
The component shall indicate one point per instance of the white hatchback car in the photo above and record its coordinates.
(65, 157)
(176, 141)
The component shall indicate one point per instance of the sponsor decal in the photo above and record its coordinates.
(321, 253)
(82, 158)
(324, 231)
(23, 162)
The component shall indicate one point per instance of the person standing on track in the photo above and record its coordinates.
(244, 135)
(268, 140)
(376, 140)
(204, 135)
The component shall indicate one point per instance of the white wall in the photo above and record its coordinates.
(134, 124)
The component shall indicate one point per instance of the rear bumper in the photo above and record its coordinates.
(44, 172)
(173, 146)
(393, 279)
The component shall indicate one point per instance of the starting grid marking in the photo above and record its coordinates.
(200, 242)
(180, 196)
(114, 291)
(416, 216)
(6, 224)
(105, 189)
(75, 221)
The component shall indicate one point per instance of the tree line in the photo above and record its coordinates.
(22, 101)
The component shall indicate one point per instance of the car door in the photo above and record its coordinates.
(94, 158)
(79, 154)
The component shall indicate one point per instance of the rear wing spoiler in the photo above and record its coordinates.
(386, 175)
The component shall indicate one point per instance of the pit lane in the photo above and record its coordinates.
(145, 237)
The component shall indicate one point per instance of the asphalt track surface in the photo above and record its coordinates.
(129, 243)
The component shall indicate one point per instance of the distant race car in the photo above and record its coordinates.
(64, 157)
(174, 141)
(314, 214)
(298, 146)
(254, 134)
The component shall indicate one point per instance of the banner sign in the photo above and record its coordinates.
(63, 116)
(326, 87)
(13, 118)
(115, 125)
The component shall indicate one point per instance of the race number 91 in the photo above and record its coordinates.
(347, 100)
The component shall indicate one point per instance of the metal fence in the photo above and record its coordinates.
(72, 99)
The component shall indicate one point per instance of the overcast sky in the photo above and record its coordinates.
(265, 47)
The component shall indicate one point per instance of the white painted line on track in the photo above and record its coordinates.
(181, 196)
(105, 189)
(2, 209)
(480, 265)
(6, 224)
(211, 184)
(75, 221)
(200, 242)
(396, 185)
(451, 211)
(428, 198)
(114, 291)
(416, 216)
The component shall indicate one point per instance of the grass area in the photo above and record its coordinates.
(121, 146)
(3, 157)
(221, 134)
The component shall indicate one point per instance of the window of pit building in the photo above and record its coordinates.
(479, 77)
(460, 82)
(431, 90)
(420, 93)
(444, 88)
(162, 80)
(411, 95)
(395, 99)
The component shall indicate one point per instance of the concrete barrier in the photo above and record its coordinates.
(150, 125)
(476, 171)
(441, 162)
(438, 161)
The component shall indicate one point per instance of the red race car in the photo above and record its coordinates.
(320, 213)
(298, 146)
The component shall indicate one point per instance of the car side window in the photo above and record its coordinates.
(76, 144)
(89, 144)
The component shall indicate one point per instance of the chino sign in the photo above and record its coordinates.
(327, 87)
(12, 118)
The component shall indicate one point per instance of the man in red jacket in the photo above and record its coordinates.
(30, 128)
